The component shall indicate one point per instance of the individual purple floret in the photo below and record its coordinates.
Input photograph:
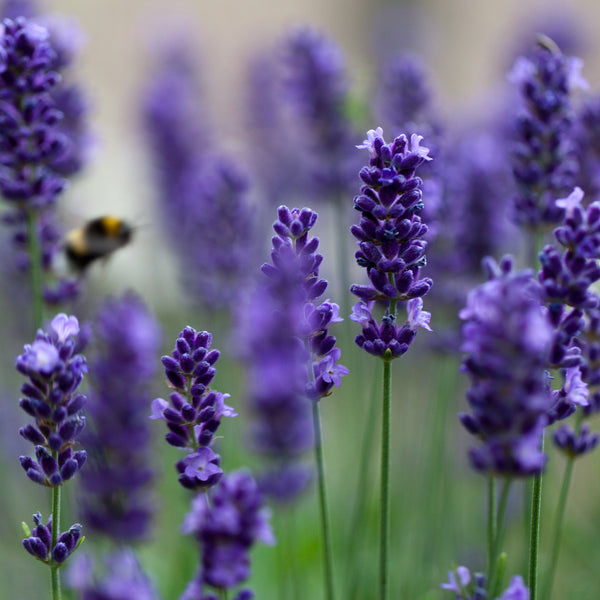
(391, 246)
(39, 541)
(315, 88)
(121, 577)
(544, 160)
(226, 529)
(55, 372)
(574, 443)
(467, 587)
(507, 338)
(116, 500)
(194, 410)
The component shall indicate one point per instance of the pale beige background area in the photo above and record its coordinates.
(464, 40)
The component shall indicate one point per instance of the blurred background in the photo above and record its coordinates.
(468, 47)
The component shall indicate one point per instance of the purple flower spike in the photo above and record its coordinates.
(50, 396)
(115, 499)
(507, 339)
(194, 412)
(228, 528)
(390, 243)
(544, 159)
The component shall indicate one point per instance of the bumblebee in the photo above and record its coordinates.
(97, 239)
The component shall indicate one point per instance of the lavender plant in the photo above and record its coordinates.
(293, 358)
(54, 371)
(392, 250)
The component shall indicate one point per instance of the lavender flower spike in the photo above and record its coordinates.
(194, 412)
(507, 338)
(467, 587)
(227, 529)
(544, 158)
(391, 246)
(55, 372)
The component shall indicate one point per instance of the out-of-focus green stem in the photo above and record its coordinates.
(325, 533)
(54, 573)
(558, 523)
(35, 260)
(534, 538)
(385, 479)
(491, 530)
(500, 528)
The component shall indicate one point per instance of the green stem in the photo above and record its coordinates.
(534, 539)
(492, 523)
(498, 540)
(325, 534)
(35, 259)
(358, 522)
(560, 513)
(54, 574)
(385, 479)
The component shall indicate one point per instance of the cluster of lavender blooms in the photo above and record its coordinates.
(391, 246)
(203, 197)
(467, 587)
(43, 135)
(194, 411)
(227, 524)
(55, 371)
(545, 162)
(115, 498)
(290, 354)
(507, 341)
(567, 277)
(226, 528)
(39, 541)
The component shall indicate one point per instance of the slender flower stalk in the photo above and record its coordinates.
(392, 250)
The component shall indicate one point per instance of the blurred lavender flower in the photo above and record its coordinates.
(507, 338)
(587, 133)
(290, 353)
(390, 241)
(195, 411)
(115, 498)
(226, 529)
(315, 88)
(29, 135)
(203, 201)
(467, 587)
(123, 578)
(44, 136)
(474, 211)
(544, 159)
(55, 372)
(11, 9)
